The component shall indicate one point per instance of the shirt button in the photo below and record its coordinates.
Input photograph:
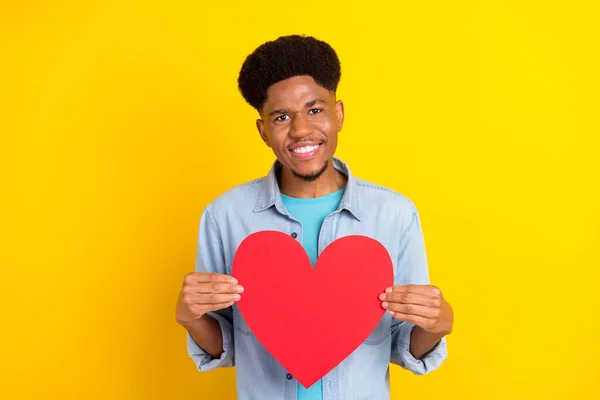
(294, 235)
(289, 376)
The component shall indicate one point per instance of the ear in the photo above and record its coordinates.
(339, 112)
(260, 125)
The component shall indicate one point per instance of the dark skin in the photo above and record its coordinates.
(300, 122)
(424, 306)
(300, 113)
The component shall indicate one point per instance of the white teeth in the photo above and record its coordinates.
(305, 149)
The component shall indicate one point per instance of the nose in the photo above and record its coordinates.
(301, 127)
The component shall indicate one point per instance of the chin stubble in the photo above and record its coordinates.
(312, 177)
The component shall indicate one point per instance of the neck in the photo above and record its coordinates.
(330, 181)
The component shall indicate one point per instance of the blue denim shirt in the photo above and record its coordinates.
(365, 209)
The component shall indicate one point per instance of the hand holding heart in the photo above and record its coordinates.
(203, 292)
(298, 311)
(422, 305)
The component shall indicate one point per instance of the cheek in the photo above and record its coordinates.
(328, 126)
(277, 138)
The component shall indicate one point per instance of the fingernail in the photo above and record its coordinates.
(240, 289)
(234, 281)
(388, 290)
(236, 297)
(382, 296)
(392, 313)
(384, 304)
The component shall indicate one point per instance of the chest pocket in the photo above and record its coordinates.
(239, 324)
(381, 332)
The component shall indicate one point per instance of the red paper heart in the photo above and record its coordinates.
(309, 319)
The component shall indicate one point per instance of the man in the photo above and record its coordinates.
(313, 196)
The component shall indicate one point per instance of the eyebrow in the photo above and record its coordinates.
(308, 104)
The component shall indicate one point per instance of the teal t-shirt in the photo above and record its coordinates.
(311, 213)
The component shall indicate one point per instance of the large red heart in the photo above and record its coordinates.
(309, 319)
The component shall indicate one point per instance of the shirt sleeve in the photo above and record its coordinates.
(210, 258)
(412, 268)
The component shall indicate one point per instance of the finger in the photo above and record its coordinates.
(411, 298)
(201, 277)
(214, 298)
(204, 308)
(412, 309)
(427, 290)
(415, 319)
(216, 287)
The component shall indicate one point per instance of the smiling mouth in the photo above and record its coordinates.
(305, 149)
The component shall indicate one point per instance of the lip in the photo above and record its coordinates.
(307, 155)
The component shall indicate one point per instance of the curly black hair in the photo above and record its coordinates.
(284, 58)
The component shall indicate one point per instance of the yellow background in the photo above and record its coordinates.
(120, 121)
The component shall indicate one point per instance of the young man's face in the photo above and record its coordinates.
(300, 122)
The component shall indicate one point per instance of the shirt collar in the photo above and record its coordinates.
(270, 195)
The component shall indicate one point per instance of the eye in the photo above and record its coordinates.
(281, 117)
(316, 110)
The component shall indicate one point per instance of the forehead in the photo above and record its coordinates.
(295, 92)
